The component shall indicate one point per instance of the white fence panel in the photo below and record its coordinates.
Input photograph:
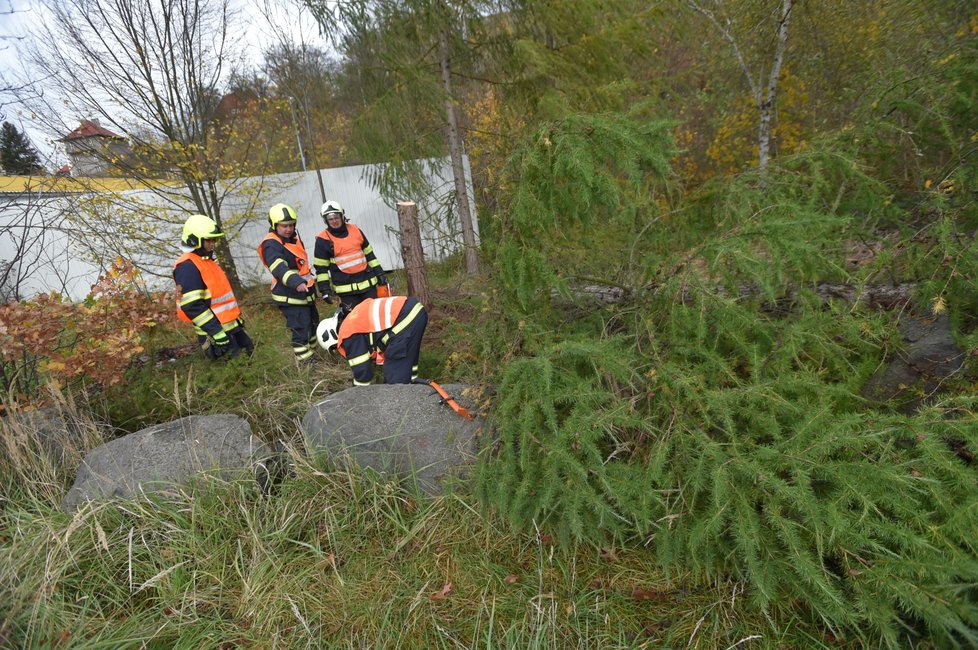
(62, 268)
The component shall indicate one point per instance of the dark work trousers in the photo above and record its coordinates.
(403, 350)
(301, 321)
(351, 300)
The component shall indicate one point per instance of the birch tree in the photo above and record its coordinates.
(761, 77)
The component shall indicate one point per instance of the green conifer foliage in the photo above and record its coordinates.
(18, 156)
(714, 414)
(573, 408)
(581, 182)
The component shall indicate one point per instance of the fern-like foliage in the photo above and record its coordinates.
(581, 183)
(715, 414)
(563, 416)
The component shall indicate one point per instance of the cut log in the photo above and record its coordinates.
(880, 296)
(412, 253)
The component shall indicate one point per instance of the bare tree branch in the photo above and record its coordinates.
(154, 73)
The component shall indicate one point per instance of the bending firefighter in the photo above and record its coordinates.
(282, 253)
(392, 327)
(345, 258)
(204, 295)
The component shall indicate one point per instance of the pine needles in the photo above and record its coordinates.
(721, 422)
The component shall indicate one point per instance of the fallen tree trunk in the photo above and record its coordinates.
(879, 296)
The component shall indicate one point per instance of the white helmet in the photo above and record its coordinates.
(331, 207)
(327, 333)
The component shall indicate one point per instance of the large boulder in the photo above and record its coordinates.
(166, 455)
(917, 372)
(399, 429)
(57, 431)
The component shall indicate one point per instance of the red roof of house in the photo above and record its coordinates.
(88, 129)
(64, 170)
(233, 102)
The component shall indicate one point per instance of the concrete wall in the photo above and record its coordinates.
(37, 254)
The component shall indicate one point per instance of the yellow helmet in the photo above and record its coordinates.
(281, 213)
(197, 228)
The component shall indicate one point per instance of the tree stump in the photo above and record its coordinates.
(412, 252)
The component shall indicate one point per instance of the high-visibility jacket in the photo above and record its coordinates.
(348, 261)
(289, 266)
(378, 320)
(208, 301)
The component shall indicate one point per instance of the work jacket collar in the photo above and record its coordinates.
(342, 231)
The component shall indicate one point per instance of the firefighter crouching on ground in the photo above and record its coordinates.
(345, 258)
(282, 253)
(204, 296)
(391, 326)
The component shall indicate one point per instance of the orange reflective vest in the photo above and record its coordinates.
(370, 316)
(348, 255)
(301, 257)
(223, 303)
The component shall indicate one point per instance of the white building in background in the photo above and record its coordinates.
(33, 211)
(90, 147)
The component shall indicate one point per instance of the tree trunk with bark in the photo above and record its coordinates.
(765, 103)
(412, 252)
(458, 168)
(764, 96)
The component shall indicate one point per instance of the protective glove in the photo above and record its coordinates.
(328, 297)
(217, 346)
(382, 279)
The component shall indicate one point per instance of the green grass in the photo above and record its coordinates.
(329, 558)
(270, 389)
(337, 559)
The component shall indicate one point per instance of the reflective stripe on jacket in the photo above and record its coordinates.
(280, 280)
(223, 304)
(348, 253)
(374, 316)
(347, 262)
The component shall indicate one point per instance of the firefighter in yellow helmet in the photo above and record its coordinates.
(204, 295)
(293, 287)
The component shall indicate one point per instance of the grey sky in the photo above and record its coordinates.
(264, 21)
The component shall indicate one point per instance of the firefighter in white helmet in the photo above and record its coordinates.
(293, 287)
(346, 265)
(204, 295)
(392, 327)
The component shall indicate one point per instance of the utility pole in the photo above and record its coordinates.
(298, 140)
(315, 159)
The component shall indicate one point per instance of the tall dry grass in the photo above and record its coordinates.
(326, 559)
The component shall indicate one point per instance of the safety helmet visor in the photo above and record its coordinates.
(327, 333)
(281, 214)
